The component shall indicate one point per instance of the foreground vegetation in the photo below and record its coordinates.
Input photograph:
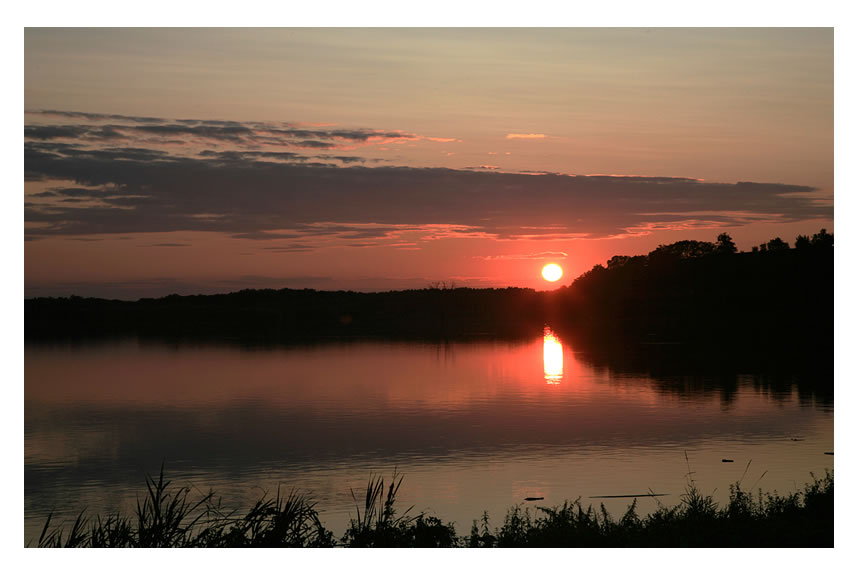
(168, 518)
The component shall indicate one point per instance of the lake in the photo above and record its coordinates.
(472, 426)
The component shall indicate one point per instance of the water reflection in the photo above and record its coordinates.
(553, 358)
(473, 425)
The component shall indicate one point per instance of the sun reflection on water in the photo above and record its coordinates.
(553, 358)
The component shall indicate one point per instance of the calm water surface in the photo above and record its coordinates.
(472, 426)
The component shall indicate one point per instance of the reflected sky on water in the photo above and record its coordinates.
(473, 426)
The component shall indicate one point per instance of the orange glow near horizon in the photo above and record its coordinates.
(553, 358)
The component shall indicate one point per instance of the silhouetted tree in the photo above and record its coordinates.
(617, 262)
(725, 245)
(822, 239)
(755, 249)
(762, 247)
(683, 250)
(802, 242)
(777, 245)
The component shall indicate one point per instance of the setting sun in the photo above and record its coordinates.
(552, 272)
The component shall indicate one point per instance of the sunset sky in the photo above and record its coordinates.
(210, 160)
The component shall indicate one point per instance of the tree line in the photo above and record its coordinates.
(709, 293)
(702, 293)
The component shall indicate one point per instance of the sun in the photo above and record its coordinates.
(552, 272)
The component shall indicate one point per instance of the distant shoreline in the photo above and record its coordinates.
(754, 303)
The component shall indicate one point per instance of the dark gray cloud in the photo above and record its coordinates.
(151, 191)
(231, 133)
(268, 236)
(244, 155)
(118, 127)
(314, 144)
(216, 132)
(97, 116)
(290, 248)
(348, 159)
(241, 186)
(366, 233)
(344, 232)
(105, 153)
(54, 131)
(348, 135)
(85, 132)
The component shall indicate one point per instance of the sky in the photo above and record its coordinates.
(211, 160)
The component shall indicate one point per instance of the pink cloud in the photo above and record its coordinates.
(645, 229)
(382, 140)
(537, 256)
(525, 136)
(405, 246)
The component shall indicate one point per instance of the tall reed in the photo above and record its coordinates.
(168, 517)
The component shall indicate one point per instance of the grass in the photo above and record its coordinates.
(799, 519)
(379, 526)
(167, 517)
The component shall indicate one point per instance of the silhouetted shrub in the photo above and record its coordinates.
(822, 239)
(777, 245)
